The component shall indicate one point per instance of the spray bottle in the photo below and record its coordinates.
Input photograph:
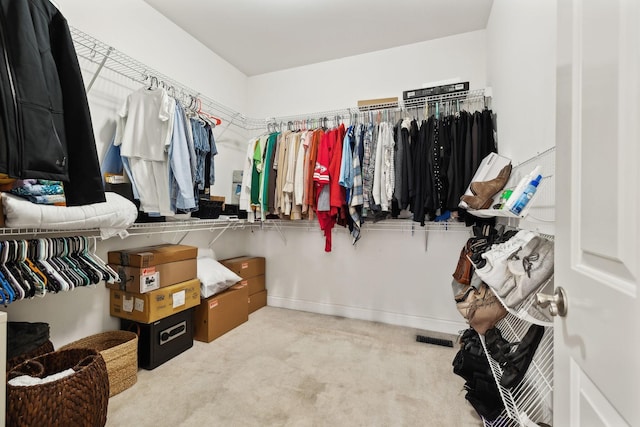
(518, 191)
(526, 195)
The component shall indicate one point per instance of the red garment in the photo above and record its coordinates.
(321, 168)
(326, 221)
(309, 191)
(322, 177)
(338, 194)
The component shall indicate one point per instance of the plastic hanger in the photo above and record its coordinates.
(40, 277)
(13, 282)
(216, 121)
(86, 257)
(56, 282)
(10, 249)
(76, 254)
(111, 275)
(66, 257)
(65, 270)
(8, 293)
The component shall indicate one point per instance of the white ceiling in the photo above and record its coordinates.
(260, 36)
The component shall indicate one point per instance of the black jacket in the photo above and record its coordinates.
(45, 124)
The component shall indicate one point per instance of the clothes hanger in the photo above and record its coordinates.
(75, 252)
(18, 290)
(217, 120)
(49, 257)
(21, 259)
(83, 255)
(16, 269)
(66, 257)
(56, 282)
(62, 266)
(90, 248)
(152, 80)
(9, 293)
(23, 247)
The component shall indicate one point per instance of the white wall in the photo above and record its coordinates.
(521, 68)
(136, 29)
(341, 83)
(139, 31)
(388, 277)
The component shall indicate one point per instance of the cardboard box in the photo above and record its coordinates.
(217, 315)
(155, 305)
(220, 199)
(146, 279)
(152, 255)
(364, 103)
(254, 284)
(257, 301)
(245, 266)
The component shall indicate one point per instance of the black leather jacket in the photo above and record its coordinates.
(45, 124)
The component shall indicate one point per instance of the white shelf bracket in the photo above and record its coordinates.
(95, 75)
(220, 233)
(279, 229)
(426, 239)
(228, 125)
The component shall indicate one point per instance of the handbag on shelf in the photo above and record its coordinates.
(464, 268)
(478, 304)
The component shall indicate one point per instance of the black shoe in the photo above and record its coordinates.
(484, 396)
(497, 346)
(518, 362)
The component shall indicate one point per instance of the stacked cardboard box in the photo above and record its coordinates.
(252, 271)
(220, 313)
(158, 284)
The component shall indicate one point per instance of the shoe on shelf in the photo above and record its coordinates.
(530, 269)
(494, 272)
(492, 187)
(477, 202)
(497, 346)
(483, 191)
(518, 361)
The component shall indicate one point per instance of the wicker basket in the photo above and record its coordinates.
(44, 348)
(120, 352)
(79, 399)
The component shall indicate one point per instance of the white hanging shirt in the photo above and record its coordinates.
(146, 133)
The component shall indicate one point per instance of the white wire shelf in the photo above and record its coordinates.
(190, 225)
(529, 311)
(107, 57)
(539, 214)
(402, 225)
(529, 402)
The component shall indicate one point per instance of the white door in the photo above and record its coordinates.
(597, 344)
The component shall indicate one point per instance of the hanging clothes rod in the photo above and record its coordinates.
(466, 96)
(109, 58)
(462, 98)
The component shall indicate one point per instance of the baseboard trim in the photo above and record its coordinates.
(411, 321)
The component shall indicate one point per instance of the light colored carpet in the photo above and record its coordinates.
(291, 368)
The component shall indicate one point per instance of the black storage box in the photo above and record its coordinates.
(231, 209)
(208, 209)
(436, 90)
(124, 189)
(162, 340)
